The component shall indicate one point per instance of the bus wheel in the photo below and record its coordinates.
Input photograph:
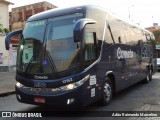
(107, 92)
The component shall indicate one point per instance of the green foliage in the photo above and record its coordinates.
(1, 30)
(4, 30)
(157, 36)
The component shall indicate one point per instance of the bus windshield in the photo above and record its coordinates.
(47, 46)
(60, 44)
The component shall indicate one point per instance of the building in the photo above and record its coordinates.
(4, 20)
(19, 15)
(154, 28)
(4, 14)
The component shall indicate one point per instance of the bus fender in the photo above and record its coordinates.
(109, 72)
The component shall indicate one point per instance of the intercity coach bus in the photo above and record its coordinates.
(79, 55)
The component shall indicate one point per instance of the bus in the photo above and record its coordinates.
(79, 55)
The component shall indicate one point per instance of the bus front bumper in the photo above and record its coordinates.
(69, 98)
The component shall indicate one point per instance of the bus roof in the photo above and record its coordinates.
(76, 9)
(58, 12)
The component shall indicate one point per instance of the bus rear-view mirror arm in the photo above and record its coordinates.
(79, 26)
(9, 36)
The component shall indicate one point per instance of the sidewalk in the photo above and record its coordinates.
(7, 83)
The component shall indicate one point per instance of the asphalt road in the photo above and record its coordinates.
(140, 97)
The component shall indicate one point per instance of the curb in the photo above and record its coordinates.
(7, 93)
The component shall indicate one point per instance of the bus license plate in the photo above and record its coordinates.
(39, 100)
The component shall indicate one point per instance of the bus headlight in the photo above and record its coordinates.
(70, 86)
(19, 85)
(74, 85)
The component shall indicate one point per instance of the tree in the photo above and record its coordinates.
(1, 28)
(157, 36)
(4, 30)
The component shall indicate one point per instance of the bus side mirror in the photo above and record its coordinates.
(78, 28)
(9, 36)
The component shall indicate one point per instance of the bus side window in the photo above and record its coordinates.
(90, 48)
(109, 40)
(119, 39)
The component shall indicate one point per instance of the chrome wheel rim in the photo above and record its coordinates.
(107, 91)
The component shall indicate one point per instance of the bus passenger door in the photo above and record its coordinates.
(89, 48)
(91, 54)
(85, 35)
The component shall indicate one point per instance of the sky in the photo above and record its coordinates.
(142, 12)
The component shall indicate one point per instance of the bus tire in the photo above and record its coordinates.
(107, 92)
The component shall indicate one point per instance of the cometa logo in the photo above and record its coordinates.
(123, 54)
(40, 77)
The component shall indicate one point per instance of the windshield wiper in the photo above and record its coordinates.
(53, 67)
(31, 67)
